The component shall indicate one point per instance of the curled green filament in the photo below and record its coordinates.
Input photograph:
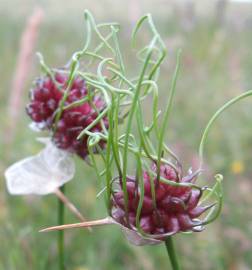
(214, 118)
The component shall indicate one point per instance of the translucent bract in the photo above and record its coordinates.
(40, 174)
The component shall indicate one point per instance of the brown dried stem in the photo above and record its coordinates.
(99, 222)
(70, 206)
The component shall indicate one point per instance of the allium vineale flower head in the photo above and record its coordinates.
(77, 114)
(167, 210)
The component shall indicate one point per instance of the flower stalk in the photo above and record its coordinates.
(61, 249)
(172, 253)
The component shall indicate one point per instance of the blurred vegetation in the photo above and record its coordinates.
(216, 65)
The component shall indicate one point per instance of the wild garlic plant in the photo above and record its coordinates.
(147, 191)
(156, 199)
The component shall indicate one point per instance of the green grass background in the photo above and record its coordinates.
(216, 65)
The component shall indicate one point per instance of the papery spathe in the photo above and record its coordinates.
(40, 174)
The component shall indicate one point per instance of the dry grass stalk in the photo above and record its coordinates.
(99, 222)
(70, 206)
(23, 66)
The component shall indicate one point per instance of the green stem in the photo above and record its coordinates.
(213, 119)
(167, 114)
(61, 233)
(172, 253)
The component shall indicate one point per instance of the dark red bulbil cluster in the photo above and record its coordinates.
(176, 207)
(45, 100)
